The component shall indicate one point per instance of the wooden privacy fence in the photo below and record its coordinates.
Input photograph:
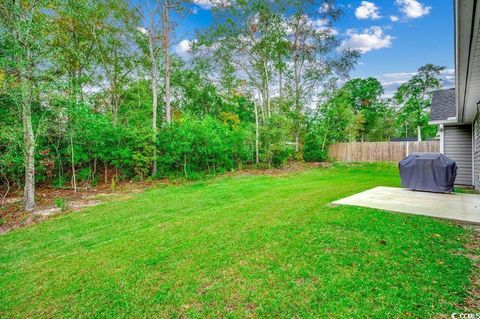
(379, 151)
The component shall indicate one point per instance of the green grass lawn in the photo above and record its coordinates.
(238, 246)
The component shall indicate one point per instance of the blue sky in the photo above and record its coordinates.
(395, 36)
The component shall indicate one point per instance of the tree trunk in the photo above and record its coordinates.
(29, 140)
(297, 123)
(324, 141)
(419, 133)
(269, 111)
(154, 76)
(74, 176)
(297, 141)
(296, 87)
(7, 185)
(256, 133)
(280, 86)
(105, 172)
(267, 91)
(28, 136)
(166, 47)
(114, 100)
(261, 96)
(185, 165)
(265, 100)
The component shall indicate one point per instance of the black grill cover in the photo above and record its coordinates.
(431, 172)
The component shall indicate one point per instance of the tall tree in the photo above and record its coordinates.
(160, 12)
(414, 97)
(365, 98)
(169, 7)
(23, 27)
(153, 35)
(248, 49)
(114, 27)
(314, 56)
(167, 29)
(74, 41)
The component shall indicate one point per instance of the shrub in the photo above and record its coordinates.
(61, 203)
(191, 145)
(314, 148)
(275, 135)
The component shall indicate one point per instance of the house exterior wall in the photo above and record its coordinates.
(458, 146)
(476, 152)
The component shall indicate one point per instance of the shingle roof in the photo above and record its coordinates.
(443, 105)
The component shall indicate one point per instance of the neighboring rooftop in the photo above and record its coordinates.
(443, 105)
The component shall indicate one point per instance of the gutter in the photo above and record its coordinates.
(450, 120)
(461, 92)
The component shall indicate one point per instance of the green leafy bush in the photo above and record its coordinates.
(280, 156)
(315, 147)
(61, 203)
(275, 136)
(192, 145)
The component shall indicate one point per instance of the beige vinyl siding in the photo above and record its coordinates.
(476, 155)
(458, 146)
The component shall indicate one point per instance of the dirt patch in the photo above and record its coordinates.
(52, 201)
(47, 212)
(292, 167)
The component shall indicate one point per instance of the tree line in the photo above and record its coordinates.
(92, 91)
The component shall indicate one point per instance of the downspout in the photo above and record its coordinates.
(442, 138)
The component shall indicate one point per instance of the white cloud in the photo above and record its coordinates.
(394, 18)
(323, 25)
(208, 4)
(367, 10)
(391, 81)
(319, 24)
(369, 39)
(395, 79)
(412, 8)
(324, 8)
(183, 47)
(331, 31)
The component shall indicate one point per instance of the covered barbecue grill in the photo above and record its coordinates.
(431, 172)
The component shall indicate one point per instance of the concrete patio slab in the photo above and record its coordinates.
(461, 207)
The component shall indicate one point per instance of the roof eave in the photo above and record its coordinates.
(447, 121)
(464, 30)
